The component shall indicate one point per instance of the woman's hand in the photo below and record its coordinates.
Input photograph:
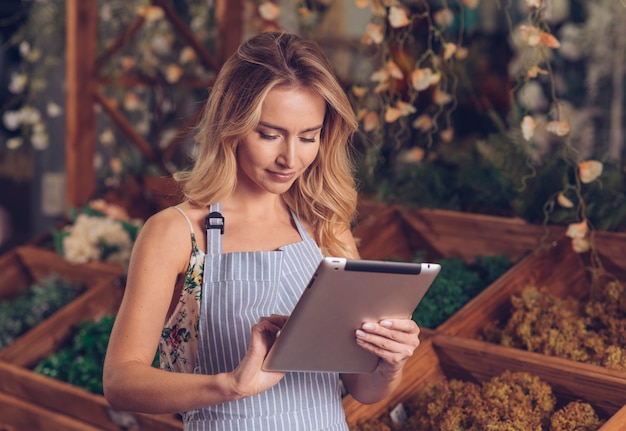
(249, 378)
(392, 340)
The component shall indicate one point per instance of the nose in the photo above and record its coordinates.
(287, 155)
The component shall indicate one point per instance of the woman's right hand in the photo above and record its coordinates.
(249, 378)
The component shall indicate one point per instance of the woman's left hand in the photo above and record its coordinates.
(392, 340)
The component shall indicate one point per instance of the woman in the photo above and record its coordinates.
(274, 172)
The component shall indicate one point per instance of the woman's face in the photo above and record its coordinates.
(284, 143)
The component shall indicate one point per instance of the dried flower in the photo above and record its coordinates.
(398, 16)
(269, 11)
(528, 127)
(423, 78)
(589, 170)
(564, 201)
(577, 230)
(374, 32)
(424, 123)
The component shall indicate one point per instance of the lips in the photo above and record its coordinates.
(282, 177)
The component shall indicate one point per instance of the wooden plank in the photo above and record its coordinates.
(80, 128)
(76, 403)
(17, 415)
(55, 331)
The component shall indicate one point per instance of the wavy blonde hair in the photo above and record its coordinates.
(325, 195)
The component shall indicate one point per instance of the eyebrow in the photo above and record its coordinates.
(271, 126)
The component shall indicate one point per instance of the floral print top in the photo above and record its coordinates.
(179, 338)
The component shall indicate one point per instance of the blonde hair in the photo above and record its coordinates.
(325, 195)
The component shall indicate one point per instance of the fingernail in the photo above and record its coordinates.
(368, 326)
(386, 323)
(360, 333)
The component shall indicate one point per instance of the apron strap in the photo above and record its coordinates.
(214, 225)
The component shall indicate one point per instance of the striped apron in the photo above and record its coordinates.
(238, 289)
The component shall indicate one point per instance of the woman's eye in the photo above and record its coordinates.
(266, 136)
(308, 140)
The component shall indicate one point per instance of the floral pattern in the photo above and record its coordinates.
(179, 338)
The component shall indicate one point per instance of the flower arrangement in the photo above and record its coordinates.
(100, 232)
(592, 331)
(512, 400)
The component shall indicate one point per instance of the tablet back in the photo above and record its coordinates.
(341, 295)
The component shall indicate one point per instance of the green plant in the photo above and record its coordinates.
(457, 283)
(33, 304)
(81, 362)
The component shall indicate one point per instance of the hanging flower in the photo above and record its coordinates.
(423, 78)
(412, 155)
(580, 245)
(558, 128)
(564, 201)
(398, 16)
(577, 230)
(369, 118)
(12, 119)
(424, 123)
(528, 127)
(534, 36)
(15, 143)
(444, 17)
(535, 71)
(405, 108)
(447, 135)
(394, 70)
(374, 33)
(441, 97)
(392, 114)
(269, 11)
(359, 91)
(449, 50)
(589, 170)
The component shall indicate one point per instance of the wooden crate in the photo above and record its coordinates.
(443, 356)
(391, 231)
(19, 415)
(19, 381)
(556, 267)
(26, 264)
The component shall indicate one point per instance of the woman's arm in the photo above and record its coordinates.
(160, 255)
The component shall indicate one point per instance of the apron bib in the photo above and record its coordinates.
(238, 289)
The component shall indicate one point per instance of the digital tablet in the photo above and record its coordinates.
(342, 294)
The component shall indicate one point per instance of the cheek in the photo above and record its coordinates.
(311, 155)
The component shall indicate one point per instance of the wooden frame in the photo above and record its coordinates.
(83, 81)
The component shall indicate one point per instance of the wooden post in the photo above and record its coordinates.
(229, 17)
(80, 145)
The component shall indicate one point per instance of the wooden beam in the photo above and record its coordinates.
(229, 16)
(80, 144)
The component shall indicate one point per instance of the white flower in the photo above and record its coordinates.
(15, 143)
(18, 83)
(12, 119)
(53, 110)
(532, 97)
(30, 115)
(40, 139)
(90, 237)
(24, 48)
